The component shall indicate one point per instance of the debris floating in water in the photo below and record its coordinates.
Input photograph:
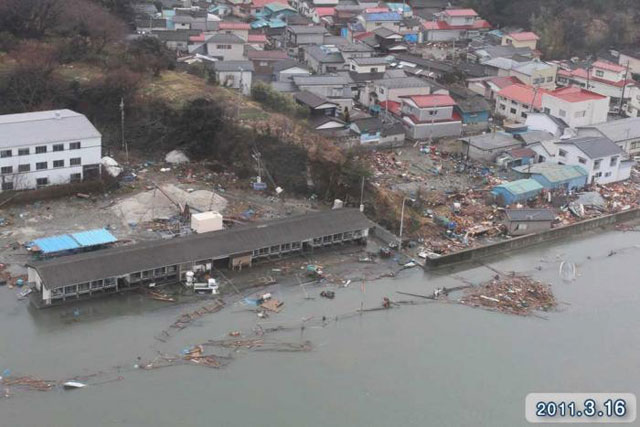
(513, 294)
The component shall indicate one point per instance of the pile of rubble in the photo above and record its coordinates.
(512, 294)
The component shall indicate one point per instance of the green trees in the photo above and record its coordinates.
(276, 101)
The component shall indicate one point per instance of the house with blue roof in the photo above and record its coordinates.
(516, 191)
(553, 175)
(401, 8)
(371, 21)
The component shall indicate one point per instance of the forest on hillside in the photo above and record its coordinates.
(568, 27)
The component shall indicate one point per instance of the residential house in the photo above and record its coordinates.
(533, 73)
(318, 105)
(632, 108)
(401, 8)
(322, 15)
(234, 74)
(240, 29)
(352, 49)
(519, 222)
(47, 148)
(486, 53)
(630, 58)
(471, 107)
(176, 40)
(522, 39)
(392, 89)
(423, 67)
(554, 176)
(269, 9)
(371, 21)
(430, 116)
(515, 102)
(599, 156)
(518, 191)
(257, 41)
(454, 24)
(286, 69)
(387, 40)
(324, 59)
(489, 146)
(225, 47)
(150, 24)
(190, 19)
(602, 77)
(546, 123)
(369, 130)
(392, 136)
(625, 133)
(368, 65)
(263, 60)
(576, 106)
(304, 35)
(328, 125)
(336, 89)
(488, 87)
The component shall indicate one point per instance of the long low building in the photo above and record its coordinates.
(167, 261)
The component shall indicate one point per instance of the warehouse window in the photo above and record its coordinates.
(24, 168)
(58, 147)
(58, 163)
(41, 166)
(23, 152)
(5, 153)
(41, 149)
(74, 146)
(75, 161)
(6, 169)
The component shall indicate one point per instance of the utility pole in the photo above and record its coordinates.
(362, 195)
(624, 87)
(401, 222)
(125, 147)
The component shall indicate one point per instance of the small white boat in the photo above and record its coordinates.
(71, 385)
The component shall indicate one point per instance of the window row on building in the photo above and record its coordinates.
(26, 167)
(39, 149)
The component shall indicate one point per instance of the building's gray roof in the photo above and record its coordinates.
(620, 130)
(311, 99)
(123, 260)
(369, 124)
(468, 101)
(394, 129)
(428, 64)
(285, 87)
(43, 127)
(175, 36)
(530, 214)
(384, 32)
(594, 147)
(286, 64)
(503, 51)
(325, 54)
(321, 80)
(224, 38)
(319, 120)
(533, 136)
(402, 83)
(370, 61)
(354, 47)
(307, 29)
(232, 65)
(492, 141)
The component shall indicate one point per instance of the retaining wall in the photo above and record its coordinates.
(531, 239)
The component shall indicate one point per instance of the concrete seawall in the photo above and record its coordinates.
(531, 239)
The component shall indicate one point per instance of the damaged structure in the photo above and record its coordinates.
(167, 261)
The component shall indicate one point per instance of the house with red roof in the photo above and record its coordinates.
(240, 29)
(602, 77)
(454, 24)
(576, 106)
(514, 102)
(490, 86)
(430, 116)
(522, 39)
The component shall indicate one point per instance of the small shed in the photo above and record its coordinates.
(516, 191)
(206, 221)
(527, 221)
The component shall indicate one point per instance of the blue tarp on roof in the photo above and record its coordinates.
(99, 236)
(66, 242)
(383, 16)
(60, 243)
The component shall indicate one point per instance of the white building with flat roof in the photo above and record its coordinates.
(47, 148)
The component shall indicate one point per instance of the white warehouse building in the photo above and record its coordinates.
(47, 148)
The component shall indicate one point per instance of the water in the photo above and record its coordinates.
(432, 364)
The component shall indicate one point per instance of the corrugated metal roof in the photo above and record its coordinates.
(53, 244)
(66, 242)
(43, 127)
(99, 236)
(122, 260)
(530, 214)
(522, 186)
